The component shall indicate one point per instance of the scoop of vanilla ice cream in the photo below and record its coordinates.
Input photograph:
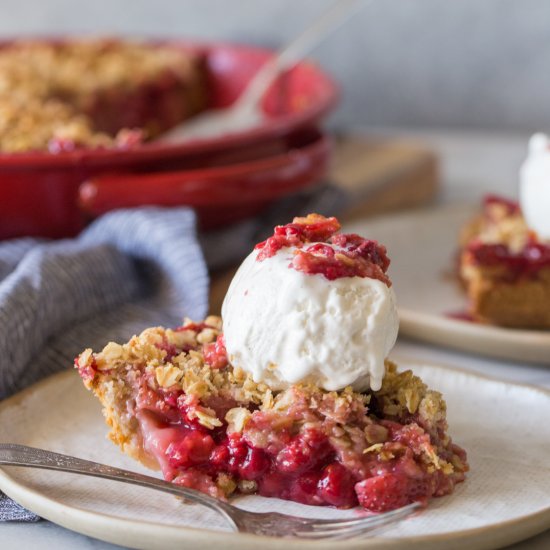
(284, 326)
(534, 191)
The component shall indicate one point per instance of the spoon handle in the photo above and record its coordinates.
(330, 19)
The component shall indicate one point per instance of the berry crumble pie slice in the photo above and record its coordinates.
(505, 268)
(178, 401)
(505, 256)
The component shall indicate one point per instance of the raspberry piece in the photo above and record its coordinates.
(312, 228)
(87, 371)
(383, 493)
(171, 398)
(295, 457)
(170, 349)
(358, 247)
(192, 450)
(215, 354)
(304, 489)
(336, 486)
(317, 228)
(254, 465)
(274, 484)
(366, 261)
(303, 452)
(219, 457)
(421, 489)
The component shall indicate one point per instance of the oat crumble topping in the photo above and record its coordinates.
(499, 224)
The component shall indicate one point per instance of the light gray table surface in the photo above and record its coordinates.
(471, 165)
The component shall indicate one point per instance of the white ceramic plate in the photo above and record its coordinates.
(422, 247)
(506, 497)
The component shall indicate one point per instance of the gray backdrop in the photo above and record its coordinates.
(462, 63)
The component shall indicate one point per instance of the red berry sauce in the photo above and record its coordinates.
(88, 371)
(312, 228)
(523, 264)
(304, 468)
(215, 354)
(320, 249)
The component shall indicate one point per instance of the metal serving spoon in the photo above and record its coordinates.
(246, 112)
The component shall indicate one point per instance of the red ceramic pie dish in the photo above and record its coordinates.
(220, 195)
(225, 178)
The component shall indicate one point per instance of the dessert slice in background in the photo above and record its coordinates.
(310, 423)
(505, 251)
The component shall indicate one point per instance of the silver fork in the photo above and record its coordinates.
(269, 523)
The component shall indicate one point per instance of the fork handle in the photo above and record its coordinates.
(21, 455)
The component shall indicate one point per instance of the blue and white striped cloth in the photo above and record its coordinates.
(128, 270)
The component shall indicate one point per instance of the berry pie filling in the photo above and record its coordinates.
(175, 402)
(503, 241)
(319, 248)
(504, 260)
(294, 398)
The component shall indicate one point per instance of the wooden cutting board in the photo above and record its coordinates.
(377, 176)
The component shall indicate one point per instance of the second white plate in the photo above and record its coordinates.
(422, 246)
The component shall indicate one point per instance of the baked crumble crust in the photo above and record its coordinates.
(164, 368)
(28, 123)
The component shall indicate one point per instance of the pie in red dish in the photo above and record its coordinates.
(63, 95)
(505, 268)
(175, 401)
